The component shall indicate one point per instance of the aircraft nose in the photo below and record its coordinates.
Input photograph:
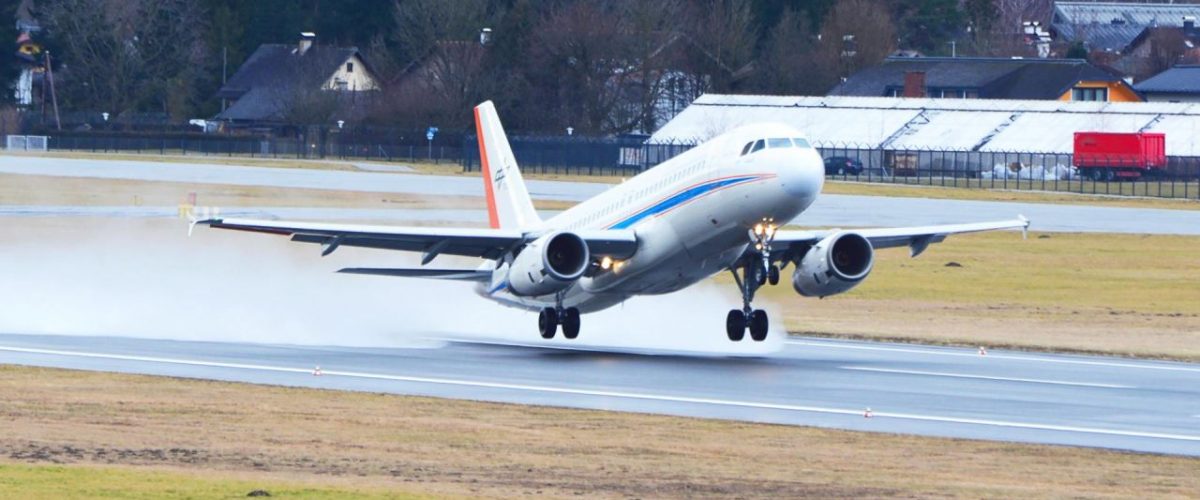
(802, 175)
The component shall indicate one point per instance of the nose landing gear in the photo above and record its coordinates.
(756, 270)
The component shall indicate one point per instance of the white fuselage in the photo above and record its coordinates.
(691, 215)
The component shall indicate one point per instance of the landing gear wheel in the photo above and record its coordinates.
(735, 325)
(548, 322)
(773, 275)
(570, 322)
(758, 325)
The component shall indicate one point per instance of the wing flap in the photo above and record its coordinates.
(485, 243)
(916, 238)
(441, 274)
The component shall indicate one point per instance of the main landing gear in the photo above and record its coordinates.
(756, 270)
(551, 317)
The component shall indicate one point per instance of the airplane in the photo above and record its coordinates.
(714, 208)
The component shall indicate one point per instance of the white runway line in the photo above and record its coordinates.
(1040, 359)
(984, 377)
(616, 394)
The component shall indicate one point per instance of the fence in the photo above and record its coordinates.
(1012, 170)
(321, 144)
(580, 155)
(631, 155)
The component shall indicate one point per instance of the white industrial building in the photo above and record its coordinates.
(956, 125)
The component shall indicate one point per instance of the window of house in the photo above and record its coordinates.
(1089, 94)
(349, 67)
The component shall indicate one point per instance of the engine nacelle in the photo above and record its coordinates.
(834, 265)
(549, 264)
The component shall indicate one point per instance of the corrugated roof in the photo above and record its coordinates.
(1108, 37)
(1180, 79)
(936, 124)
(1143, 14)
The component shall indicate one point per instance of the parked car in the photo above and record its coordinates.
(841, 165)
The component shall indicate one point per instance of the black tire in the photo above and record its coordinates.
(758, 325)
(760, 276)
(1110, 175)
(841, 171)
(735, 325)
(1097, 174)
(773, 275)
(570, 323)
(547, 322)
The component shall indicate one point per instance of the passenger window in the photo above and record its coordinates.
(758, 145)
(801, 143)
(747, 148)
(779, 143)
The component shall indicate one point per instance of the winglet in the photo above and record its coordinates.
(508, 201)
(1025, 228)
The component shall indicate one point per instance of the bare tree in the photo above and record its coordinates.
(125, 55)
(857, 34)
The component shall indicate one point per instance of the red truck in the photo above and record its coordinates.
(1106, 156)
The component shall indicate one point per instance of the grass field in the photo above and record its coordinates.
(88, 434)
(1115, 294)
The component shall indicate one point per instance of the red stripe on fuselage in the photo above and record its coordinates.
(493, 217)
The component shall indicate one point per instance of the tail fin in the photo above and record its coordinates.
(509, 205)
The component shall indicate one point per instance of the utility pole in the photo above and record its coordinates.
(53, 96)
(953, 48)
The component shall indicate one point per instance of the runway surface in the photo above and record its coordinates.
(1039, 398)
(829, 210)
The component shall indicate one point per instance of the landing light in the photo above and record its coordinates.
(758, 229)
(606, 262)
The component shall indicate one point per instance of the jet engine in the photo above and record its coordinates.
(834, 265)
(549, 264)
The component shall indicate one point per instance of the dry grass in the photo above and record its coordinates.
(1115, 294)
(180, 158)
(1000, 194)
(330, 439)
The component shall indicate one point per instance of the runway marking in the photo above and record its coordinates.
(997, 356)
(618, 394)
(984, 377)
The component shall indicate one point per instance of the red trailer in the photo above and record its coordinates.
(1106, 156)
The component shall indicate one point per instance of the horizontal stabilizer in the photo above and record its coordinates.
(441, 274)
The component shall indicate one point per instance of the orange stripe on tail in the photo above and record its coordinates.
(493, 217)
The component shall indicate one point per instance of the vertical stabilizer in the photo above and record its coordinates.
(509, 205)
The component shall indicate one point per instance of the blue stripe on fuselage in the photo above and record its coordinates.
(680, 198)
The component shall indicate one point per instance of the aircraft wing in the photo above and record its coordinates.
(486, 243)
(917, 239)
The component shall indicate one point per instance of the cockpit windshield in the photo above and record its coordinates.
(775, 143)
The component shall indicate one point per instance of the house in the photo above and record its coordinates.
(1178, 84)
(301, 84)
(1113, 26)
(1155, 50)
(987, 78)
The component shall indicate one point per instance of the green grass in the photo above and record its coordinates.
(81, 481)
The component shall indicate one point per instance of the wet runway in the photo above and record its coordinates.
(829, 211)
(1011, 396)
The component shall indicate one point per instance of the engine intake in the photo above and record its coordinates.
(549, 264)
(834, 265)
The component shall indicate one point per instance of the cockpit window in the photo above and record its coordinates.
(779, 143)
(747, 148)
(801, 143)
(758, 145)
